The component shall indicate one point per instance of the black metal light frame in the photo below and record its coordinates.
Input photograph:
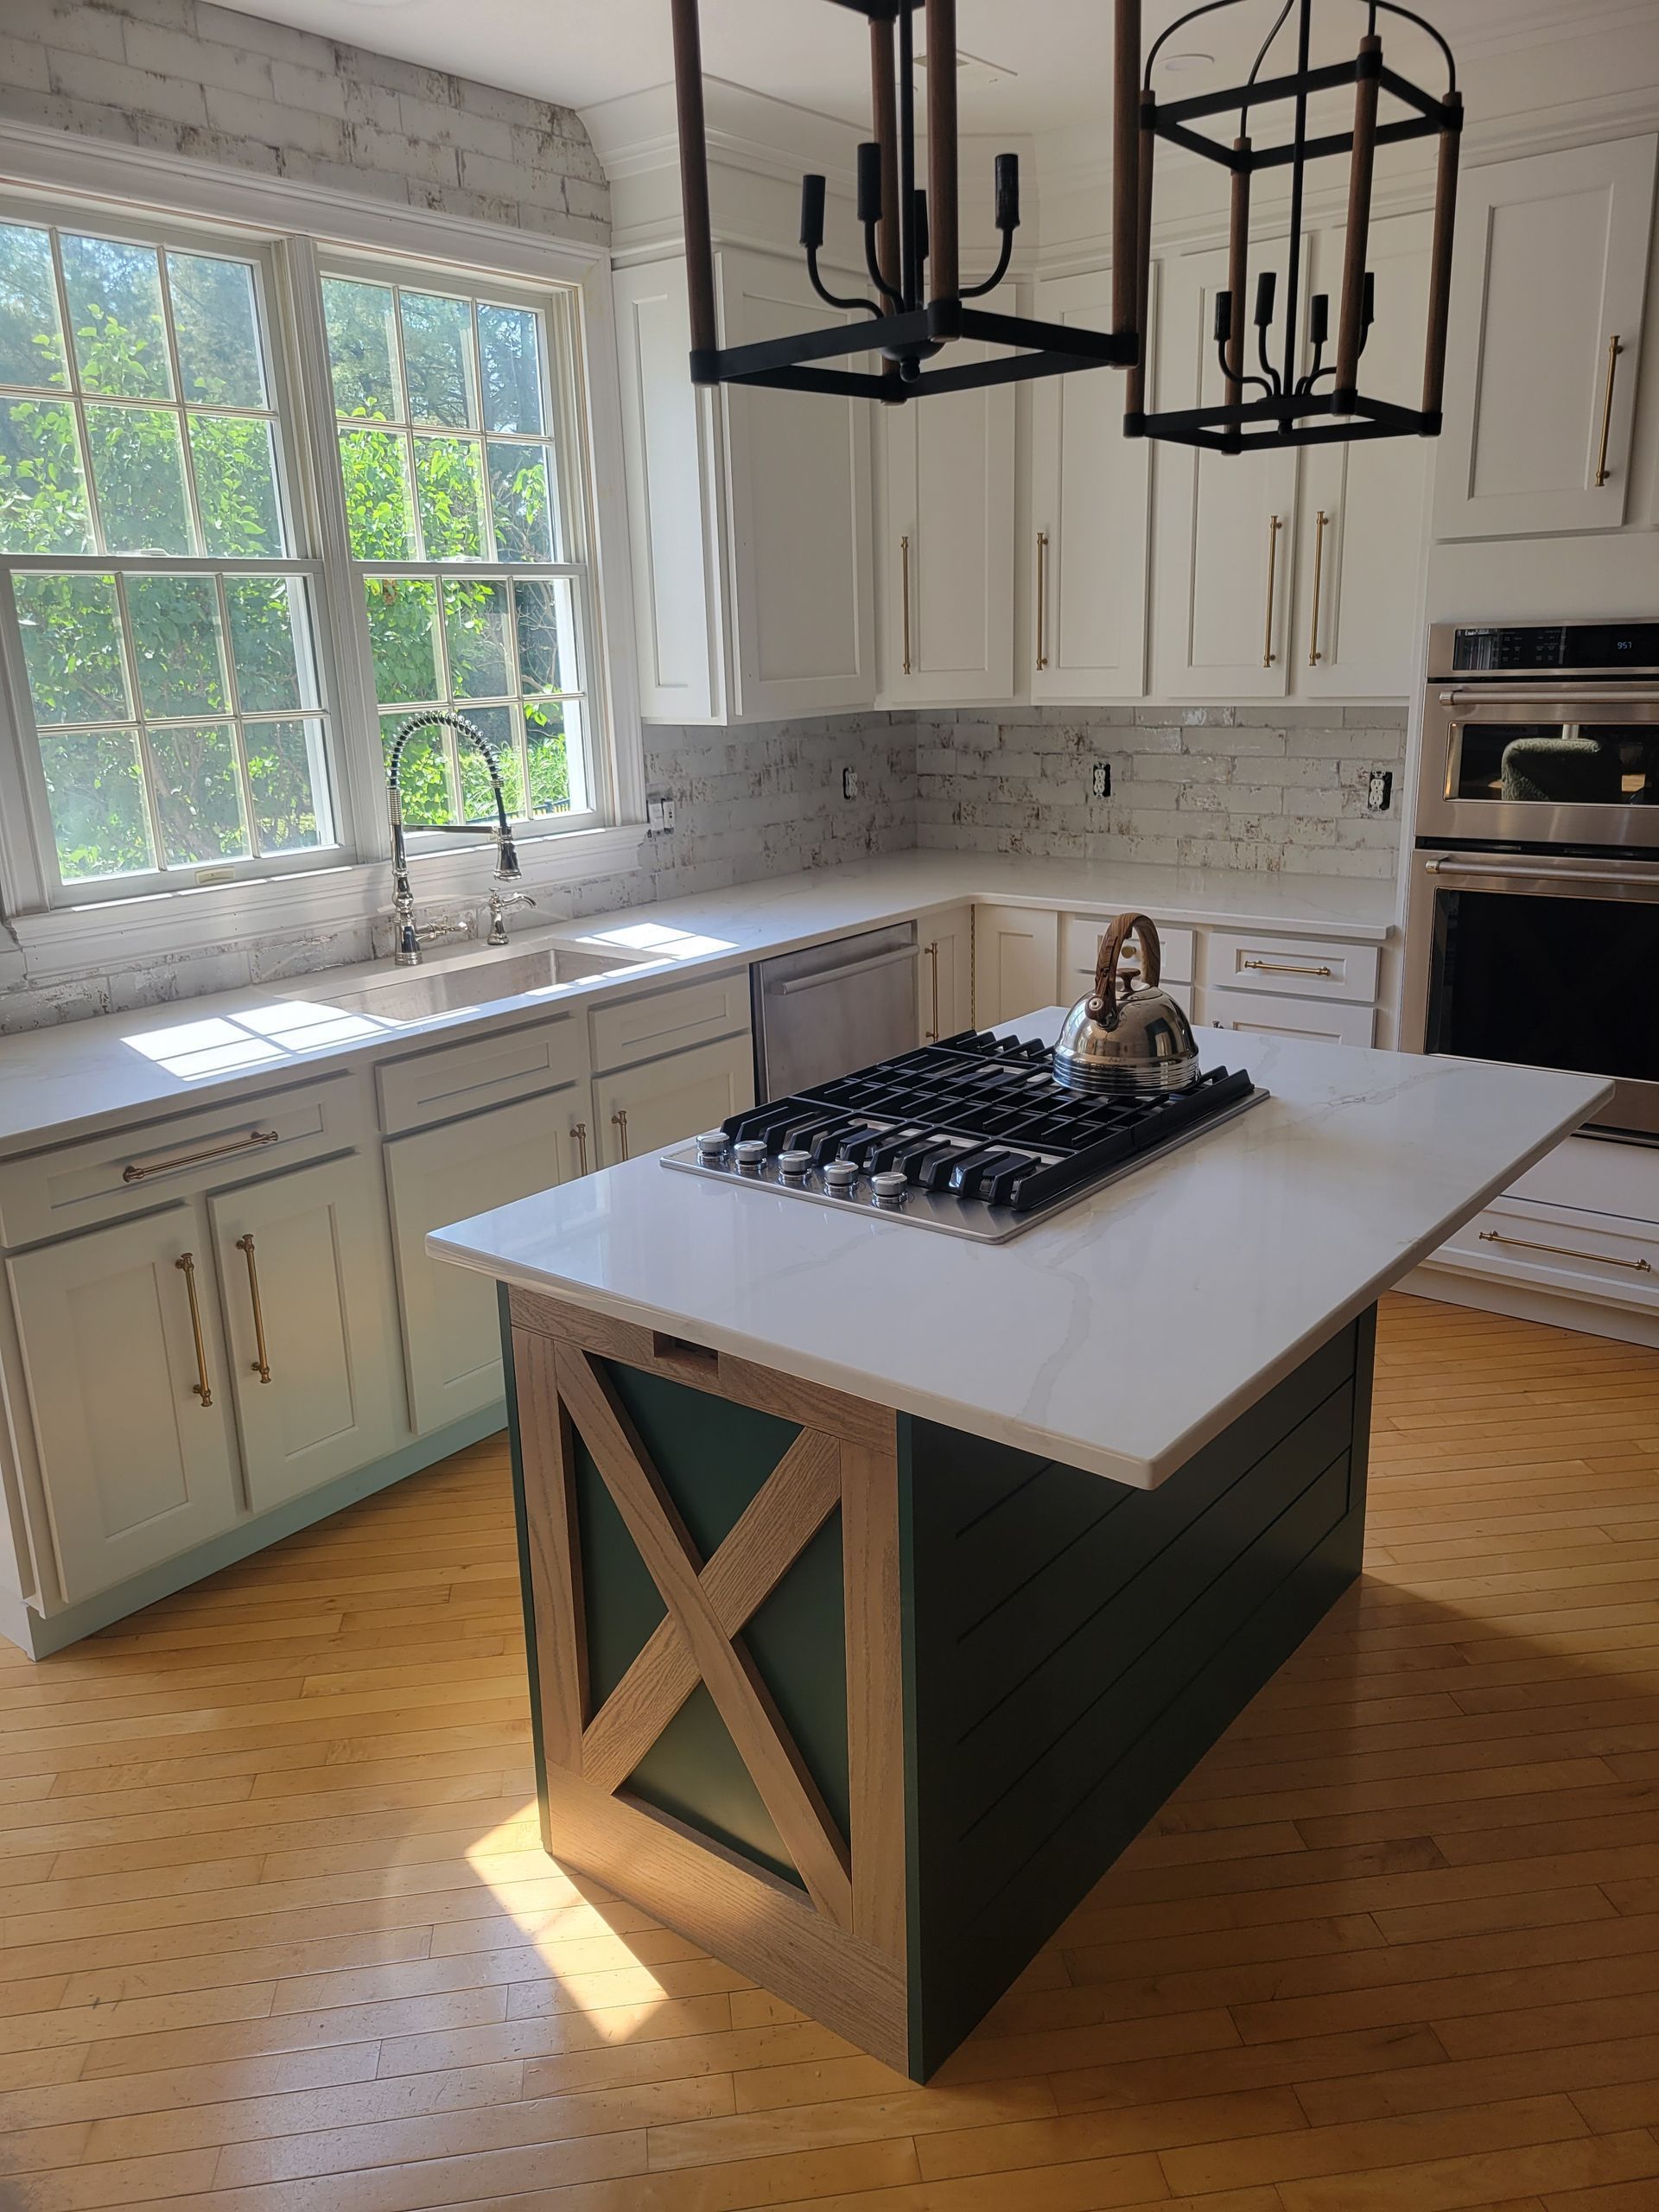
(912, 235)
(1292, 412)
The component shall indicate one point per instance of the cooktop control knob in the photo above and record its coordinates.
(750, 1154)
(888, 1190)
(711, 1147)
(839, 1176)
(792, 1165)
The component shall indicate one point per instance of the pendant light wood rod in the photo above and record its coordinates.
(1351, 328)
(909, 263)
(1126, 166)
(1439, 267)
(884, 120)
(1238, 271)
(1298, 194)
(694, 178)
(943, 221)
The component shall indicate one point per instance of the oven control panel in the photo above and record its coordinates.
(1541, 649)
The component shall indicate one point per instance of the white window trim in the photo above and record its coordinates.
(68, 938)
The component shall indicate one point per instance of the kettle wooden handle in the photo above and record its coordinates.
(1111, 949)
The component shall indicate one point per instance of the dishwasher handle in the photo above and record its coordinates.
(852, 968)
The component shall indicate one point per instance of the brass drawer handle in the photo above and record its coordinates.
(262, 1365)
(202, 1388)
(619, 1123)
(1042, 598)
(255, 1137)
(1615, 347)
(932, 952)
(1287, 967)
(903, 563)
(579, 1131)
(1276, 523)
(1321, 523)
(1567, 1252)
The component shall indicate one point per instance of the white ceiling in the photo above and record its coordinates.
(1055, 54)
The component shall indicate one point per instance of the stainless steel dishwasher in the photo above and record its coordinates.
(833, 1008)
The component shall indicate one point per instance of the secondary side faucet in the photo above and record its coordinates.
(411, 936)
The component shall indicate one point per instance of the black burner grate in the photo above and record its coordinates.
(983, 1116)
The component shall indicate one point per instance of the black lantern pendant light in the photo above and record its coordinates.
(1299, 408)
(910, 233)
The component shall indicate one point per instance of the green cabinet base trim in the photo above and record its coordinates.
(866, 1706)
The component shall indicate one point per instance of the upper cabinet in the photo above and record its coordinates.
(948, 601)
(1549, 293)
(1091, 518)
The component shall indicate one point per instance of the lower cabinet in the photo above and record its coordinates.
(945, 973)
(452, 1343)
(1016, 958)
(125, 1372)
(310, 1331)
(638, 1109)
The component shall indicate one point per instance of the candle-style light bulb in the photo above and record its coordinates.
(812, 191)
(1266, 284)
(1007, 192)
(1223, 318)
(869, 182)
(1319, 318)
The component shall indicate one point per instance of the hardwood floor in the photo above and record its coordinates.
(276, 1935)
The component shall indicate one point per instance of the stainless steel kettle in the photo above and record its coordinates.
(1127, 1035)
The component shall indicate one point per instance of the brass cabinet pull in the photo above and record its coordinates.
(619, 1123)
(579, 1131)
(903, 594)
(262, 1365)
(186, 1264)
(1615, 347)
(1320, 522)
(1276, 523)
(132, 1174)
(1286, 968)
(1042, 598)
(1568, 1252)
(931, 951)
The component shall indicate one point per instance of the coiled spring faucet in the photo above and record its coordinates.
(411, 935)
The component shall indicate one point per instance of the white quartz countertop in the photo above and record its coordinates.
(1123, 1334)
(69, 1081)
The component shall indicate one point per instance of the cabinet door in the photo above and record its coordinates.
(1226, 521)
(949, 559)
(1550, 274)
(452, 1341)
(1259, 1013)
(1362, 534)
(945, 973)
(1016, 960)
(1091, 503)
(665, 1100)
(310, 1325)
(798, 468)
(135, 1454)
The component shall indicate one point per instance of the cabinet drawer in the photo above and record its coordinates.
(1555, 1248)
(1331, 1023)
(1080, 936)
(485, 1070)
(50, 1194)
(665, 1022)
(1300, 967)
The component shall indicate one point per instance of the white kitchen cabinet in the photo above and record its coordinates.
(1016, 962)
(948, 595)
(1362, 529)
(1226, 556)
(1549, 286)
(310, 1325)
(452, 1341)
(132, 1423)
(1091, 516)
(638, 1109)
(945, 973)
(1326, 1022)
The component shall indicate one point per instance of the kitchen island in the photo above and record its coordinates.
(881, 1586)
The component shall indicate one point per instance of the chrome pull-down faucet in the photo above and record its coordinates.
(411, 935)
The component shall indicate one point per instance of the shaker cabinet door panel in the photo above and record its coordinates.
(136, 1457)
(665, 1102)
(1016, 962)
(945, 973)
(1549, 283)
(451, 1339)
(310, 1326)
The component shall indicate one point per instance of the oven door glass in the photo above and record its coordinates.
(1556, 764)
(1552, 983)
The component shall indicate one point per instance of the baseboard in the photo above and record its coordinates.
(1586, 1316)
(39, 1634)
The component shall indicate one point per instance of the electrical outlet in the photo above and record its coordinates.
(850, 783)
(1100, 779)
(659, 813)
(1379, 791)
(668, 817)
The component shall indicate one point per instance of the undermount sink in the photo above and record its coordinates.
(446, 991)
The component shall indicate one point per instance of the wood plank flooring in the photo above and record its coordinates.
(276, 1935)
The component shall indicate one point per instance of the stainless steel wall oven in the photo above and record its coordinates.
(1533, 922)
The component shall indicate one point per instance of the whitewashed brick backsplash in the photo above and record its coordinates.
(192, 79)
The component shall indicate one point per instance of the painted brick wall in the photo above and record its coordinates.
(192, 79)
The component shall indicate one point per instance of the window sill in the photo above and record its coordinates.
(119, 932)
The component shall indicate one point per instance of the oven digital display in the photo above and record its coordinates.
(1526, 648)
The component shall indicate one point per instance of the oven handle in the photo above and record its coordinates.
(1548, 698)
(1450, 865)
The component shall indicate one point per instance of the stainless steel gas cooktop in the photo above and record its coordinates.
(972, 1137)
